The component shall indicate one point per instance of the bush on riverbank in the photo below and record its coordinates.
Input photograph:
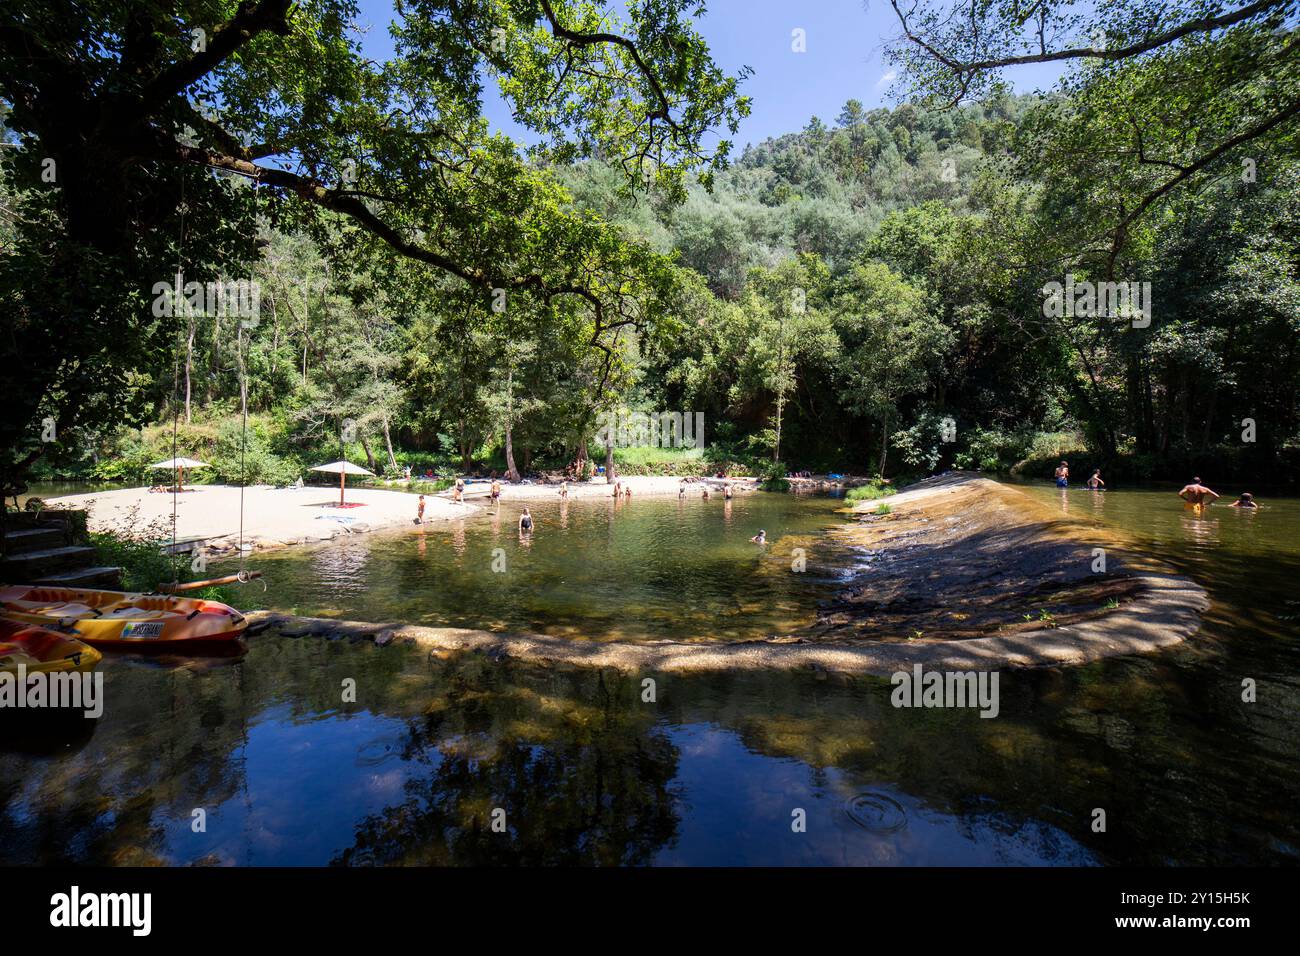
(146, 566)
(877, 488)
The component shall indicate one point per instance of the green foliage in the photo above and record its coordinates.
(874, 489)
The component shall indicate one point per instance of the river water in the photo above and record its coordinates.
(261, 760)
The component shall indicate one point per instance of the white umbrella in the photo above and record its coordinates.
(179, 465)
(344, 468)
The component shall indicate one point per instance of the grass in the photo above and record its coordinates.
(870, 492)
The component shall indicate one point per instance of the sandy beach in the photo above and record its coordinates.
(283, 517)
(273, 517)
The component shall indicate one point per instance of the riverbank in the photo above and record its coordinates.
(209, 516)
(960, 573)
(656, 486)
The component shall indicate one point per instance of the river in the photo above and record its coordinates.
(578, 766)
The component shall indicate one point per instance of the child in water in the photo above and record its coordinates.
(525, 522)
(760, 538)
(419, 511)
(1095, 482)
(1063, 474)
(1247, 500)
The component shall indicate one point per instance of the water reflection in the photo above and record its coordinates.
(588, 772)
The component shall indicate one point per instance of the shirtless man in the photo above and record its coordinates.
(1196, 494)
(726, 491)
(1095, 482)
(1062, 474)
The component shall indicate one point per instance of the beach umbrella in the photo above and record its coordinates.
(344, 468)
(179, 465)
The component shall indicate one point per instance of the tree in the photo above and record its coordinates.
(123, 108)
(892, 343)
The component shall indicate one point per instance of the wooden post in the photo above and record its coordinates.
(342, 478)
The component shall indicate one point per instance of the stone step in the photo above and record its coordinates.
(103, 577)
(38, 538)
(34, 564)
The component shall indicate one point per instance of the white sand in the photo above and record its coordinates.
(273, 517)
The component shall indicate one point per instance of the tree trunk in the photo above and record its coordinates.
(370, 458)
(776, 451)
(189, 364)
(512, 473)
(884, 445)
(609, 459)
(388, 444)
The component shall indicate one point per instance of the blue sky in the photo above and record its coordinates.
(843, 59)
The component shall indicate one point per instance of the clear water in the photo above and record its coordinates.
(717, 769)
(650, 568)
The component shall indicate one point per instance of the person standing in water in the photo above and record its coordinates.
(526, 522)
(1063, 474)
(1247, 500)
(1196, 494)
(419, 511)
(681, 490)
(495, 491)
(458, 495)
(1095, 482)
(564, 489)
(705, 493)
(726, 491)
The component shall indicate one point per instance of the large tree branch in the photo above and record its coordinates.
(1120, 232)
(252, 18)
(613, 39)
(1197, 25)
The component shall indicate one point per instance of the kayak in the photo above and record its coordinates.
(42, 651)
(122, 619)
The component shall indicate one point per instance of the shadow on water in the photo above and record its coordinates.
(279, 768)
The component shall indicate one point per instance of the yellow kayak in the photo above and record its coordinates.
(124, 619)
(42, 651)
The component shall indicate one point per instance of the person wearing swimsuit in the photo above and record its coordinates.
(525, 522)
(1063, 474)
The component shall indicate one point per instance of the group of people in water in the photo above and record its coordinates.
(1194, 493)
(621, 490)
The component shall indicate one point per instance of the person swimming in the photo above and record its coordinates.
(1195, 494)
(525, 522)
(1247, 500)
(1095, 482)
(760, 538)
(1063, 474)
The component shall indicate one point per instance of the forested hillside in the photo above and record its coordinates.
(868, 294)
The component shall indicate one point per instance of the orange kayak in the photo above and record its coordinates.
(124, 619)
(41, 650)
